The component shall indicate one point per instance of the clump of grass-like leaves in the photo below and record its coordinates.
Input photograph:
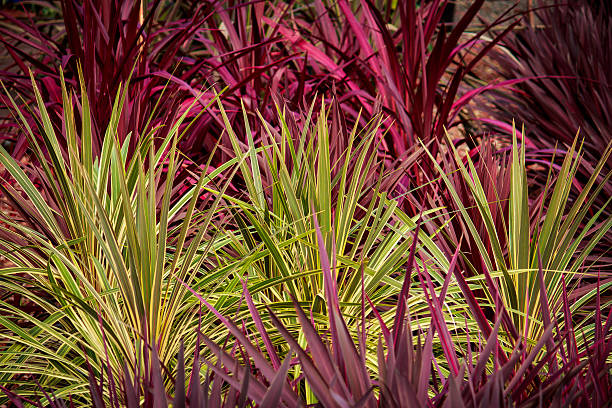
(334, 295)
(97, 249)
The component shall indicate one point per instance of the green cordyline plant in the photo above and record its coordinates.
(540, 249)
(99, 249)
(275, 246)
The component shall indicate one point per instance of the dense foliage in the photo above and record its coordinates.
(567, 58)
(270, 203)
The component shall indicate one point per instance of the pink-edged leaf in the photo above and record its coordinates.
(383, 327)
(545, 307)
(319, 382)
(438, 321)
(483, 357)
(260, 327)
(468, 96)
(403, 295)
(260, 361)
(272, 398)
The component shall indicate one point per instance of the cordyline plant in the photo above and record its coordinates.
(521, 250)
(292, 175)
(94, 248)
(567, 58)
(110, 40)
(401, 55)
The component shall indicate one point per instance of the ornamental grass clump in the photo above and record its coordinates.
(98, 249)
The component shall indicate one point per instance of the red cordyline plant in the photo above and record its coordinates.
(567, 57)
(401, 59)
(109, 41)
(401, 54)
(571, 90)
